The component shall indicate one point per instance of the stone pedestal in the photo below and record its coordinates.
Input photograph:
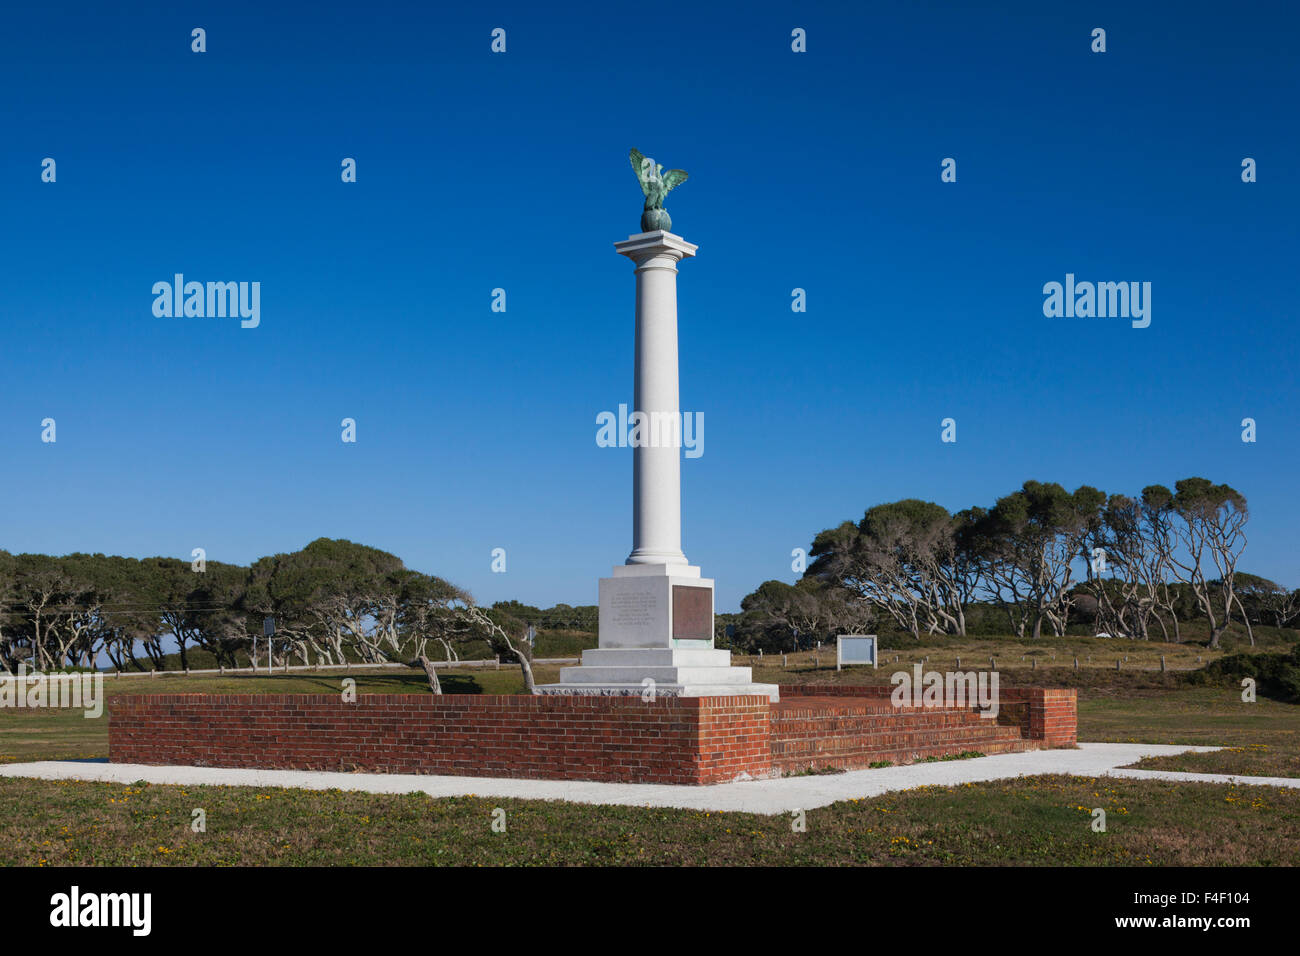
(656, 612)
(656, 638)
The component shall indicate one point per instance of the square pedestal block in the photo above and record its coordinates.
(656, 605)
(656, 638)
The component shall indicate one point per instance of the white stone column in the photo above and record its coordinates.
(656, 610)
(656, 469)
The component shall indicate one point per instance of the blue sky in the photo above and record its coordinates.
(821, 170)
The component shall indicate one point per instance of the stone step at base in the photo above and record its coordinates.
(655, 657)
(585, 674)
(862, 760)
(770, 691)
(822, 726)
(962, 738)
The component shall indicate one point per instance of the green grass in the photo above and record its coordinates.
(1038, 820)
(1262, 738)
(49, 734)
(1049, 662)
(1147, 707)
(550, 643)
(1029, 821)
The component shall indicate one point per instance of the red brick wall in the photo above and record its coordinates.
(1053, 713)
(836, 690)
(1048, 714)
(692, 740)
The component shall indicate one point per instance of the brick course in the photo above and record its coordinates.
(1049, 714)
(683, 740)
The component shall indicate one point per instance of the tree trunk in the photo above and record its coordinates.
(526, 666)
(435, 686)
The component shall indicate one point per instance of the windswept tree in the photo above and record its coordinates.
(779, 616)
(341, 601)
(1267, 601)
(1161, 542)
(326, 600)
(12, 644)
(1126, 572)
(1031, 540)
(902, 559)
(1210, 527)
(204, 609)
(459, 621)
(43, 599)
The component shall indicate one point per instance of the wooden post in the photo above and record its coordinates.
(1162, 663)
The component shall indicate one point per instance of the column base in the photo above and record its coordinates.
(663, 672)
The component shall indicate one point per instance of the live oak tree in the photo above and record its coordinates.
(1265, 600)
(1036, 554)
(1211, 521)
(779, 617)
(902, 558)
(1126, 575)
(1047, 526)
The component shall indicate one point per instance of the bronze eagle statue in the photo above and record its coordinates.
(656, 184)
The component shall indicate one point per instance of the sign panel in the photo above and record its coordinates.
(692, 613)
(855, 649)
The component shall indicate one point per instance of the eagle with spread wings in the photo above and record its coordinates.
(656, 184)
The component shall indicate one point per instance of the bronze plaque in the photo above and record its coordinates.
(692, 613)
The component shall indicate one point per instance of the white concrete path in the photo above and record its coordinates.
(1178, 775)
(753, 796)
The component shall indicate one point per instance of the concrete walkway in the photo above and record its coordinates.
(754, 796)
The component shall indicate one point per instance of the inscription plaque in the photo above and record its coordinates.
(692, 613)
(632, 608)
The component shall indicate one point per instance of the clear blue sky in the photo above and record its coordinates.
(476, 429)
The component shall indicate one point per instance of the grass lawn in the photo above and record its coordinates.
(1040, 820)
(1262, 739)
(1031, 821)
(1135, 704)
(1125, 707)
(62, 734)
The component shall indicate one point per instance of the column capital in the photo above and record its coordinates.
(647, 245)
